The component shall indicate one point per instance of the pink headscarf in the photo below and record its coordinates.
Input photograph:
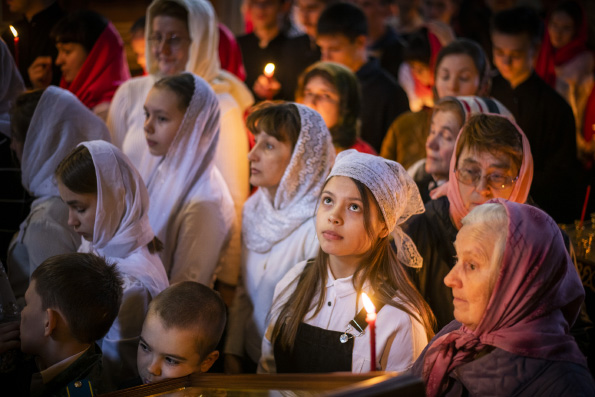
(535, 300)
(519, 194)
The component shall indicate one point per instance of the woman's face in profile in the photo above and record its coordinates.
(441, 143)
(71, 57)
(473, 277)
(320, 95)
(456, 75)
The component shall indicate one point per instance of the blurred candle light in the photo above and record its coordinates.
(371, 320)
(269, 70)
(15, 35)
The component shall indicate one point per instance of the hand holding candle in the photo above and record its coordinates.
(266, 85)
(371, 320)
(16, 44)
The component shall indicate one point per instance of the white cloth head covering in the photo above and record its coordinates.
(266, 219)
(11, 85)
(189, 156)
(60, 122)
(121, 221)
(394, 190)
(471, 105)
(203, 59)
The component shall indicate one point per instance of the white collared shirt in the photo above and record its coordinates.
(400, 338)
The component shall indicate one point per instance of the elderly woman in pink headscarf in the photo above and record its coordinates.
(516, 294)
(491, 159)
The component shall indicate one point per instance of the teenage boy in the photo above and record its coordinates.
(270, 43)
(543, 115)
(181, 331)
(342, 37)
(71, 303)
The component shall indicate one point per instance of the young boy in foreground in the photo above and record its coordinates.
(181, 331)
(71, 303)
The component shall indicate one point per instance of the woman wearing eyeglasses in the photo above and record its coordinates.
(492, 159)
(183, 36)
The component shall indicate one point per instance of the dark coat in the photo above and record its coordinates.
(500, 373)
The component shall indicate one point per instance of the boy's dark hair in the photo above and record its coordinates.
(343, 19)
(517, 21)
(190, 305)
(280, 120)
(182, 85)
(418, 47)
(84, 288)
(82, 27)
(22, 112)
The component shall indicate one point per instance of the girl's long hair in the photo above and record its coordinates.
(381, 268)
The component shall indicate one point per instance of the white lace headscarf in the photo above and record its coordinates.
(121, 220)
(394, 190)
(11, 85)
(60, 122)
(266, 219)
(189, 156)
(203, 59)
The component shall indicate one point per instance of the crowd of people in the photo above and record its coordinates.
(215, 212)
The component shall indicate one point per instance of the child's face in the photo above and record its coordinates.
(165, 353)
(268, 160)
(338, 48)
(323, 97)
(163, 118)
(82, 209)
(513, 56)
(456, 76)
(33, 319)
(421, 72)
(340, 221)
(441, 143)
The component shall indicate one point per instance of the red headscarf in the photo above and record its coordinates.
(519, 194)
(102, 72)
(549, 57)
(536, 298)
(230, 54)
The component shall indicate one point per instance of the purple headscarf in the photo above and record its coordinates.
(536, 298)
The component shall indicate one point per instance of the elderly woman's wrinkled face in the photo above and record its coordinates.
(441, 143)
(473, 277)
(482, 176)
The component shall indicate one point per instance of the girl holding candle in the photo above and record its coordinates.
(364, 199)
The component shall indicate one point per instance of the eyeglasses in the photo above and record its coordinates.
(495, 181)
(172, 41)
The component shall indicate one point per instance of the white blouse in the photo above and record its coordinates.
(254, 296)
(399, 337)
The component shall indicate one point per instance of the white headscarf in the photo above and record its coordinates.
(203, 59)
(121, 221)
(189, 156)
(60, 122)
(267, 220)
(394, 190)
(11, 85)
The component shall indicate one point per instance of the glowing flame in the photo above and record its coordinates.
(269, 69)
(14, 31)
(370, 308)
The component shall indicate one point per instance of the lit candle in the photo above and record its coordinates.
(371, 320)
(269, 70)
(16, 44)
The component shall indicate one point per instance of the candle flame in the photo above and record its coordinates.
(14, 31)
(370, 308)
(269, 69)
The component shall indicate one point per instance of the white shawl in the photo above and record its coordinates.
(11, 84)
(267, 220)
(60, 122)
(190, 155)
(203, 59)
(121, 221)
